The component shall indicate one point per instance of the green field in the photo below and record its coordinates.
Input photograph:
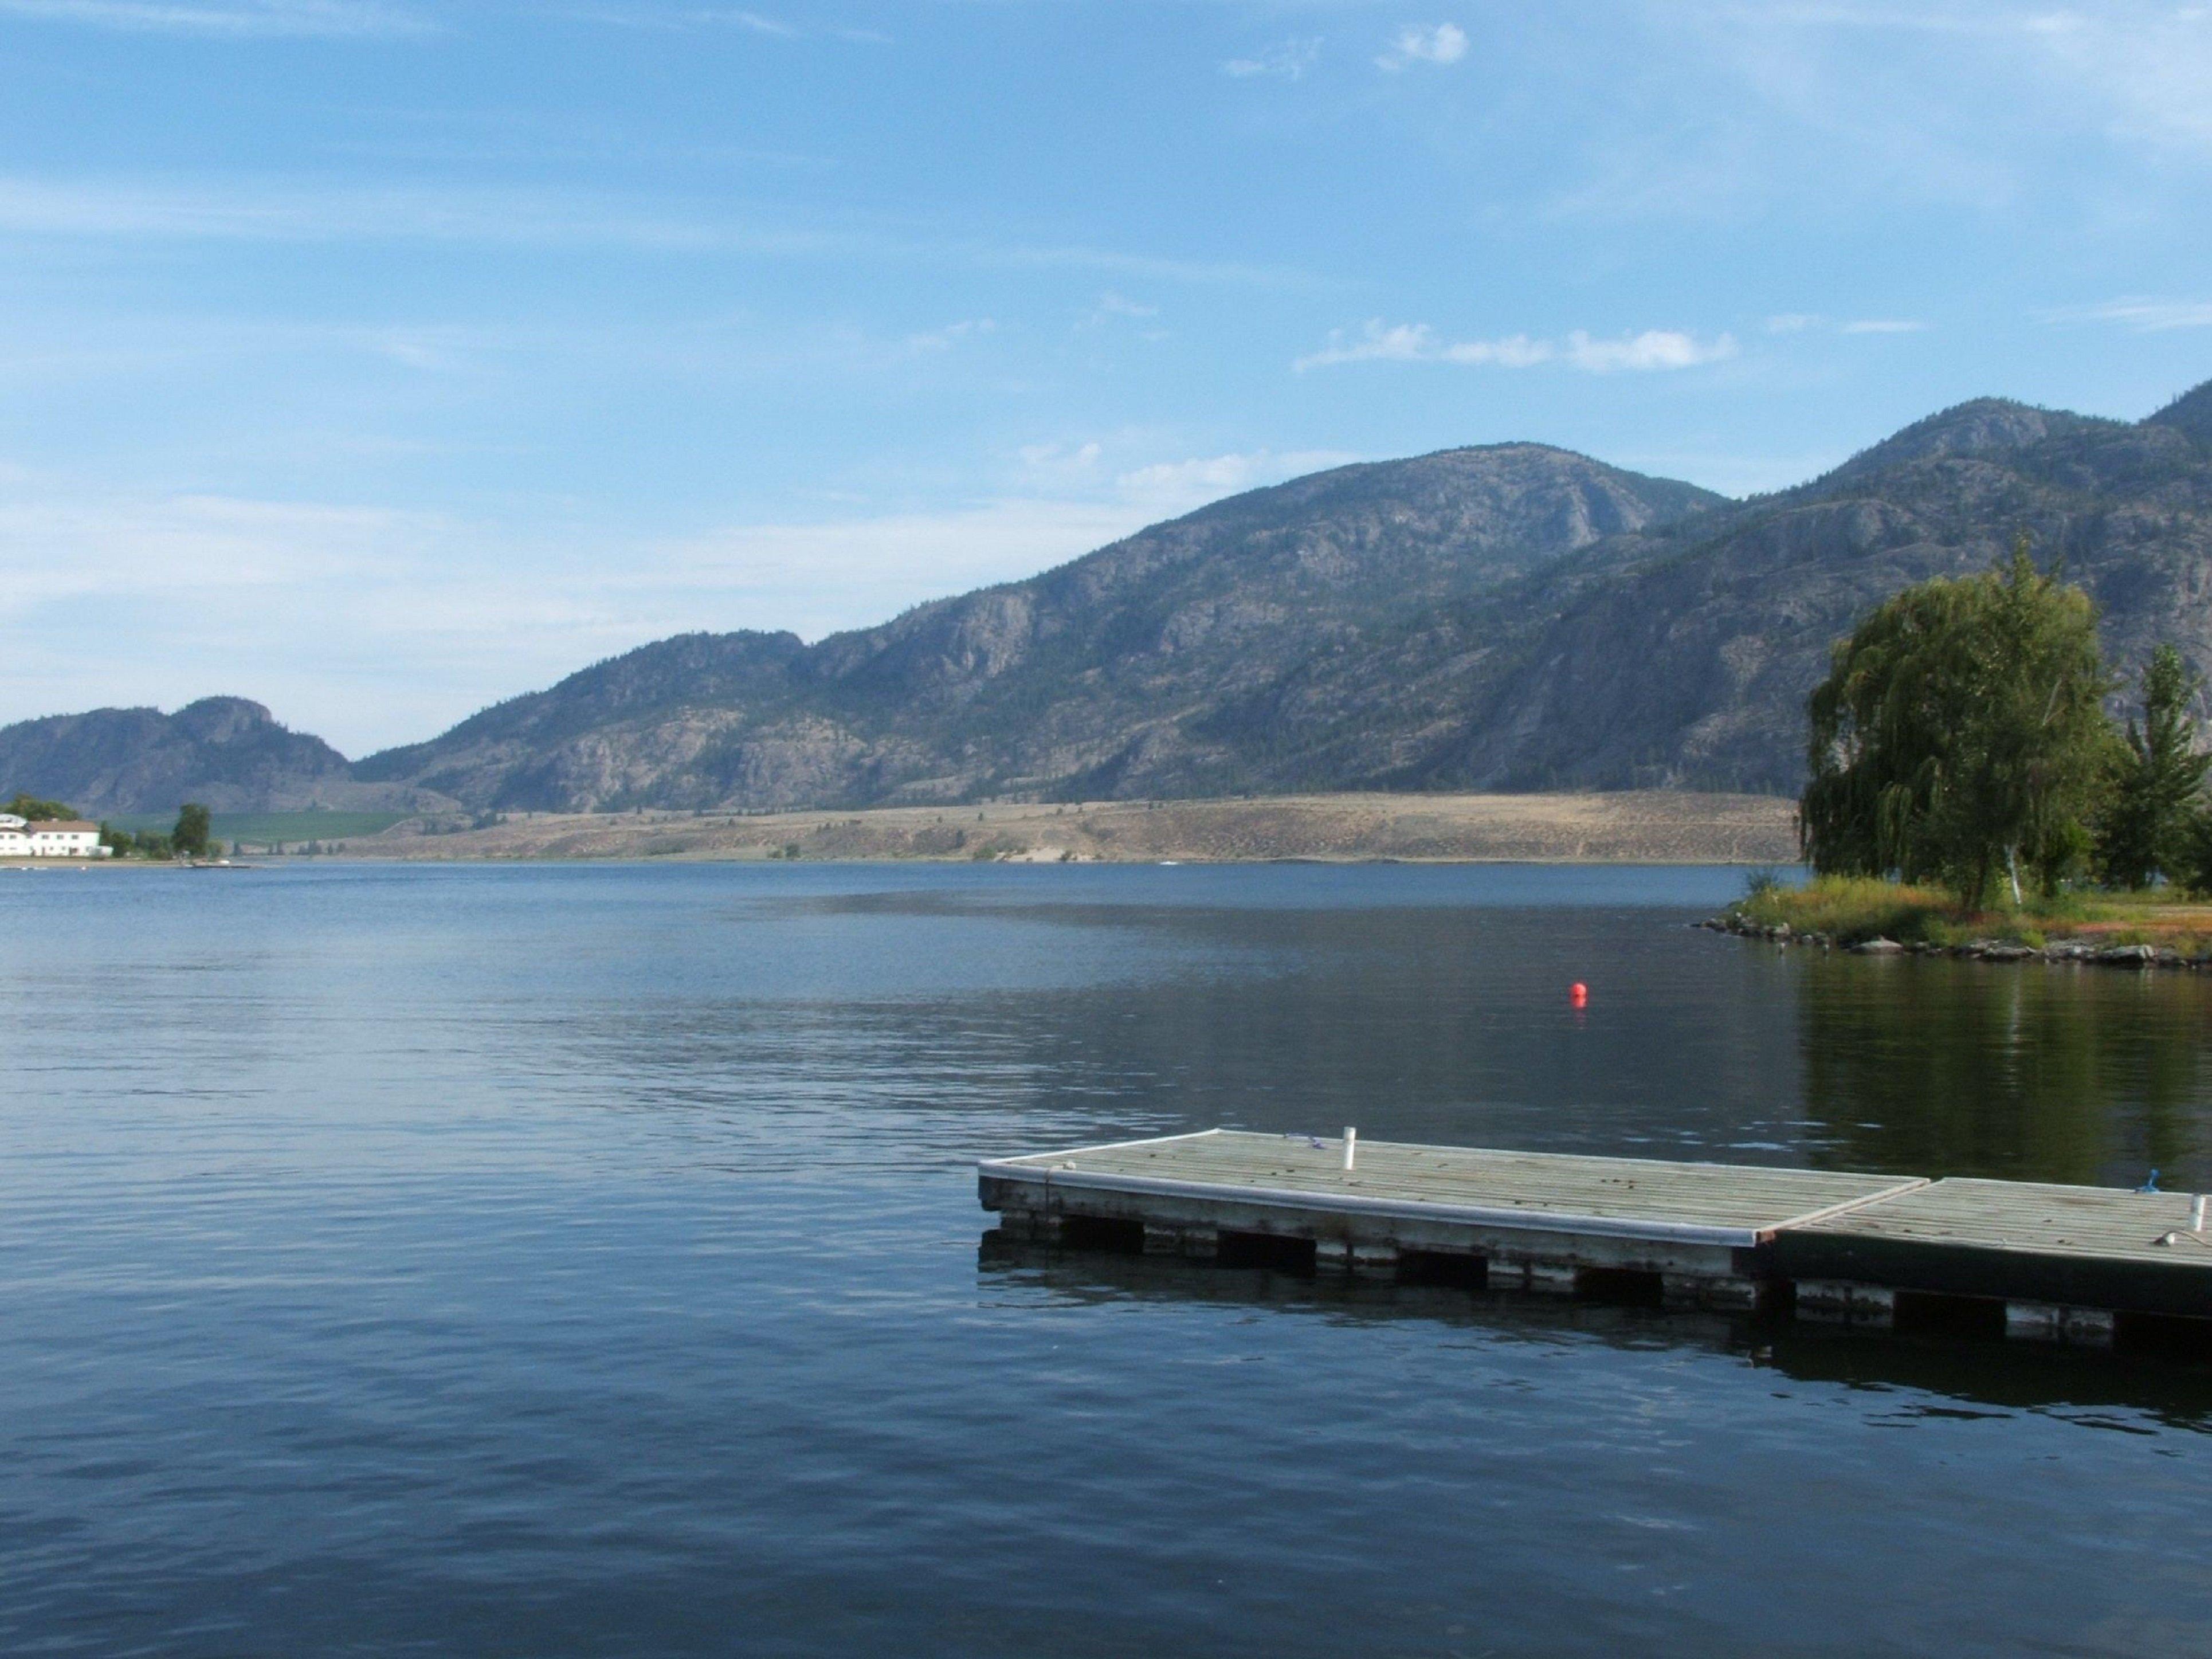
(265, 828)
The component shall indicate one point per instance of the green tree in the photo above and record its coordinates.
(1960, 734)
(190, 837)
(118, 841)
(2142, 832)
(31, 809)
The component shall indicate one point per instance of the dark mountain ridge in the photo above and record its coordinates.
(1512, 617)
(228, 753)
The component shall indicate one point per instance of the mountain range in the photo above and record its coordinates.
(1512, 617)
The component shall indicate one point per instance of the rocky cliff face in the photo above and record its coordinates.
(1690, 668)
(1097, 678)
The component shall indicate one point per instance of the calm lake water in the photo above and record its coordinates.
(585, 1260)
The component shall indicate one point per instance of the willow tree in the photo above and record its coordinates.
(1960, 734)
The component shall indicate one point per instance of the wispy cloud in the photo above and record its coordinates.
(1800, 322)
(1166, 488)
(1418, 343)
(1115, 310)
(689, 19)
(1113, 305)
(944, 339)
(752, 20)
(374, 627)
(1286, 60)
(2148, 315)
(1417, 42)
(239, 19)
(1414, 343)
(311, 606)
(285, 212)
(2133, 69)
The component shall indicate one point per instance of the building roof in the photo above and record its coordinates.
(43, 826)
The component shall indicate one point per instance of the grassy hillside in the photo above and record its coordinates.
(265, 828)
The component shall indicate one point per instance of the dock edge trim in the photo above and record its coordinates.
(1681, 1232)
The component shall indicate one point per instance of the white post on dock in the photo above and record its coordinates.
(1351, 1144)
(2196, 1214)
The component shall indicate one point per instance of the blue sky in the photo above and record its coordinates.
(380, 358)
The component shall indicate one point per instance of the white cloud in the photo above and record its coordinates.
(1437, 43)
(1413, 343)
(2150, 316)
(1286, 60)
(239, 19)
(1513, 351)
(1653, 349)
(1401, 343)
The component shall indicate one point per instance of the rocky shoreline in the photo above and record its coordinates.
(2093, 953)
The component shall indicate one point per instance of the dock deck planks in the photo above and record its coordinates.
(1720, 1204)
(2088, 1246)
(1717, 1234)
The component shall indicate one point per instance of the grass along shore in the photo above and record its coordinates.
(1853, 912)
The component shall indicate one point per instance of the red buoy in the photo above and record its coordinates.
(1578, 994)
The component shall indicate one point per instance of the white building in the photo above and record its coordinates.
(54, 838)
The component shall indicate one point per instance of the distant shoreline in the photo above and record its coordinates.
(1627, 827)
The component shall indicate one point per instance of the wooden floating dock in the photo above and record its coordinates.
(2060, 1264)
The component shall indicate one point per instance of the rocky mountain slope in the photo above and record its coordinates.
(1509, 617)
(1097, 678)
(1690, 668)
(225, 752)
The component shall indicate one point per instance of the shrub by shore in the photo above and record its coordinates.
(1865, 913)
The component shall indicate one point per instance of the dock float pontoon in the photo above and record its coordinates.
(2062, 1264)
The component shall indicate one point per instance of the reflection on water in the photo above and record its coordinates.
(581, 1260)
(2032, 1072)
(1933, 1375)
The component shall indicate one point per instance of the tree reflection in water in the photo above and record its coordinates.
(2032, 1073)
